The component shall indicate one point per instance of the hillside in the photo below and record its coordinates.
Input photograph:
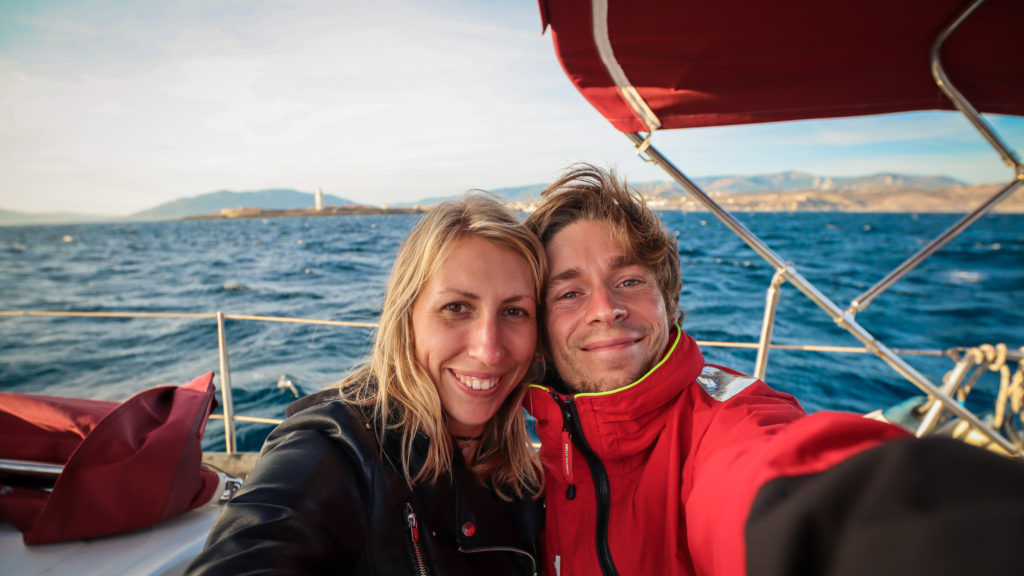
(797, 191)
(958, 199)
(214, 202)
(800, 181)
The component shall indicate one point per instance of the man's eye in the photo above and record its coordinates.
(568, 295)
(631, 282)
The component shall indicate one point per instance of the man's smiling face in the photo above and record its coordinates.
(606, 319)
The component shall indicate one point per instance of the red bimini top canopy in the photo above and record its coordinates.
(687, 63)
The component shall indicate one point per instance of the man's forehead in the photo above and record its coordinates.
(563, 258)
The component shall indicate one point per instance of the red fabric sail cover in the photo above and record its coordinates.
(716, 62)
(126, 466)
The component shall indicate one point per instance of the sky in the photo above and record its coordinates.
(116, 107)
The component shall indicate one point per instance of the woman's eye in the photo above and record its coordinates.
(568, 295)
(631, 282)
(517, 312)
(455, 308)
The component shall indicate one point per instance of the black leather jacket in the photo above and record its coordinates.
(322, 500)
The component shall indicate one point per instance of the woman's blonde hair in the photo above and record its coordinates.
(402, 392)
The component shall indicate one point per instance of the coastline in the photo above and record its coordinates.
(347, 210)
(954, 200)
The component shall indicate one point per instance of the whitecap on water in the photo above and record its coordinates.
(68, 238)
(231, 287)
(966, 277)
(992, 246)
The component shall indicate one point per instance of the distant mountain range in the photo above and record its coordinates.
(744, 189)
(781, 181)
(211, 203)
(808, 182)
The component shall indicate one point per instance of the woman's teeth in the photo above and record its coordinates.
(478, 383)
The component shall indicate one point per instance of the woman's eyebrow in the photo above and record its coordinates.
(459, 292)
(474, 296)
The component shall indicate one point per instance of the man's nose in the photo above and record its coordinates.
(605, 307)
(486, 343)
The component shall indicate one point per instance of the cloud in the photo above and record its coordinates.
(121, 107)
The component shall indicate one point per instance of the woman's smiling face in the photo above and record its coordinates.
(475, 330)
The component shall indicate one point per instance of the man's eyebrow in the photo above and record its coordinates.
(616, 263)
(570, 274)
(622, 261)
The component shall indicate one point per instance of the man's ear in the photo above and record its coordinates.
(675, 314)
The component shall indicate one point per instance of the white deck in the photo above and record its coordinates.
(165, 549)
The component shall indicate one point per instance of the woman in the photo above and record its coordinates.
(419, 462)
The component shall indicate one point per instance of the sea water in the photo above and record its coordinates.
(334, 268)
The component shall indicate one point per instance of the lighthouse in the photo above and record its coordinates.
(318, 199)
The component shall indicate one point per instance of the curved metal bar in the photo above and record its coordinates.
(599, 28)
(42, 470)
(958, 99)
(953, 380)
(225, 388)
(772, 296)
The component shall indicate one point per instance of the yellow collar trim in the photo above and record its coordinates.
(671, 349)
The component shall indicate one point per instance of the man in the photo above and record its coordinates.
(657, 463)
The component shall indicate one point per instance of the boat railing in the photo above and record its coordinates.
(230, 418)
(226, 396)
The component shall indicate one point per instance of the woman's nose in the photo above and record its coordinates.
(486, 343)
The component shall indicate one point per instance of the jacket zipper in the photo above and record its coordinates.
(414, 534)
(602, 489)
(533, 561)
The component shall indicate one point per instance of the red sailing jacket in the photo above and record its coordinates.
(659, 477)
